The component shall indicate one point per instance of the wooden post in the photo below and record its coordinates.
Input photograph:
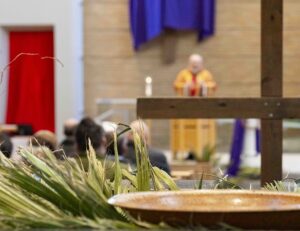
(169, 45)
(271, 86)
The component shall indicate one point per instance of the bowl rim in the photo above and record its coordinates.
(120, 201)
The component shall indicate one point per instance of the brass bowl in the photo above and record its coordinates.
(237, 208)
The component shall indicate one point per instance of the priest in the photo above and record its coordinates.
(195, 80)
(193, 136)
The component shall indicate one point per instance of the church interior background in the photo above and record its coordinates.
(232, 55)
(97, 63)
(102, 67)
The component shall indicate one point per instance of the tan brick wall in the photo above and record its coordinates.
(113, 69)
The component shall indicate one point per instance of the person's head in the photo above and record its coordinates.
(195, 63)
(6, 146)
(87, 130)
(141, 128)
(122, 147)
(70, 126)
(109, 129)
(45, 138)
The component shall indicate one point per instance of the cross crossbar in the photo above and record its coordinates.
(192, 108)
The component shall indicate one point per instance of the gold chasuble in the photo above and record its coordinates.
(195, 136)
(189, 84)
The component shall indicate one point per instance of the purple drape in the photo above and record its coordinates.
(237, 147)
(149, 18)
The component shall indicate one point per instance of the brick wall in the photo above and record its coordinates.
(113, 69)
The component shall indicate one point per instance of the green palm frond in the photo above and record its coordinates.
(277, 186)
(49, 193)
(286, 185)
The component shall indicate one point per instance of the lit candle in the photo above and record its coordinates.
(148, 86)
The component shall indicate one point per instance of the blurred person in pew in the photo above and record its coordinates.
(195, 80)
(110, 129)
(45, 138)
(122, 147)
(157, 158)
(69, 144)
(6, 146)
(87, 130)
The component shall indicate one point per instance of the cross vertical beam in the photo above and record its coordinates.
(271, 86)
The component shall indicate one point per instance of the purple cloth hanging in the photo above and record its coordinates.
(145, 20)
(149, 18)
(183, 14)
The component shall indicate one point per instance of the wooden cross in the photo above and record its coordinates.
(271, 108)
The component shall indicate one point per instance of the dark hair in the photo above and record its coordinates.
(121, 146)
(69, 131)
(6, 146)
(87, 130)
